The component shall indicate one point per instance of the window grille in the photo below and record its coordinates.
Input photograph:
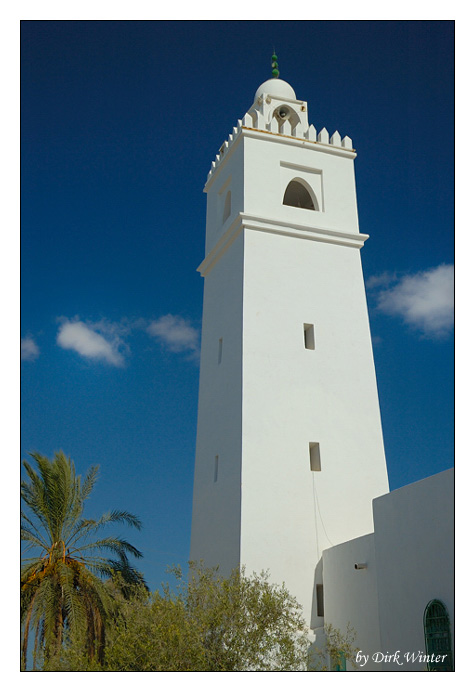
(437, 636)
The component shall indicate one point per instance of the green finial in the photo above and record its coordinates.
(275, 66)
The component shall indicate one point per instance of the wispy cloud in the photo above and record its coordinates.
(106, 341)
(99, 341)
(175, 333)
(379, 280)
(424, 300)
(29, 350)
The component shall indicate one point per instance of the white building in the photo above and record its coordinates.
(289, 452)
(405, 575)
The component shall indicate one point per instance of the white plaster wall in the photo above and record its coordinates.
(293, 396)
(414, 542)
(267, 171)
(260, 410)
(410, 560)
(215, 534)
(228, 177)
(350, 595)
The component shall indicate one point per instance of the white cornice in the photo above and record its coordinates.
(259, 223)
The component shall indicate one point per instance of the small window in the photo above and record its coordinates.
(320, 611)
(296, 195)
(227, 206)
(220, 350)
(314, 450)
(309, 336)
(216, 466)
(437, 636)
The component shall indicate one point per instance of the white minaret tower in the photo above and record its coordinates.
(289, 451)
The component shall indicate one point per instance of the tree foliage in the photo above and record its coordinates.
(209, 622)
(63, 598)
(338, 652)
(92, 612)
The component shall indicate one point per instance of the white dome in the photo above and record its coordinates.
(277, 88)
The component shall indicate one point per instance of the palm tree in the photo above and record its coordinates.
(62, 593)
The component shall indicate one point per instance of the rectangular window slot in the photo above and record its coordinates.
(309, 336)
(220, 351)
(314, 450)
(216, 465)
(320, 612)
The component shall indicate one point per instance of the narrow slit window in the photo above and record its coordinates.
(320, 611)
(216, 467)
(309, 336)
(314, 451)
(220, 350)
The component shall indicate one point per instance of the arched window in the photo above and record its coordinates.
(283, 113)
(227, 206)
(437, 636)
(297, 195)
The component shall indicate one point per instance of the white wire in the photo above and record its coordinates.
(315, 502)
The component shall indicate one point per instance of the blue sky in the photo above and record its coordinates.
(120, 123)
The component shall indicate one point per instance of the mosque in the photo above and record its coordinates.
(290, 471)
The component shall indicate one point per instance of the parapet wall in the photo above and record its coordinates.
(254, 121)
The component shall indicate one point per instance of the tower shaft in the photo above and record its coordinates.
(289, 451)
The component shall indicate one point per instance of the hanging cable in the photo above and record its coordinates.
(315, 495)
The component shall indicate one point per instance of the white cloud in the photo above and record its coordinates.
(175, 333)
(424, 300)
(96, 341)
(384, 279)
(29, 350)
(104, 340)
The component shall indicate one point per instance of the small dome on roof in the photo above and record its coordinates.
(277, 88)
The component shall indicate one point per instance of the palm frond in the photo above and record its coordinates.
(89, 482)
(125, 518)
(84, 527)
(114, 544)
(61, 585)
(32, 538)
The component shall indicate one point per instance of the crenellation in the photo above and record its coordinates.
(347, 143)
(247, 120)
(312, 134)
(256, 121)
(260, 121)
(286, 128)
(335, 139)
(323, 136)
(298, 131)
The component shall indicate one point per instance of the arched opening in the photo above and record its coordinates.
(437, 636)
(283, 113)
(297, 195)
(227, 206)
